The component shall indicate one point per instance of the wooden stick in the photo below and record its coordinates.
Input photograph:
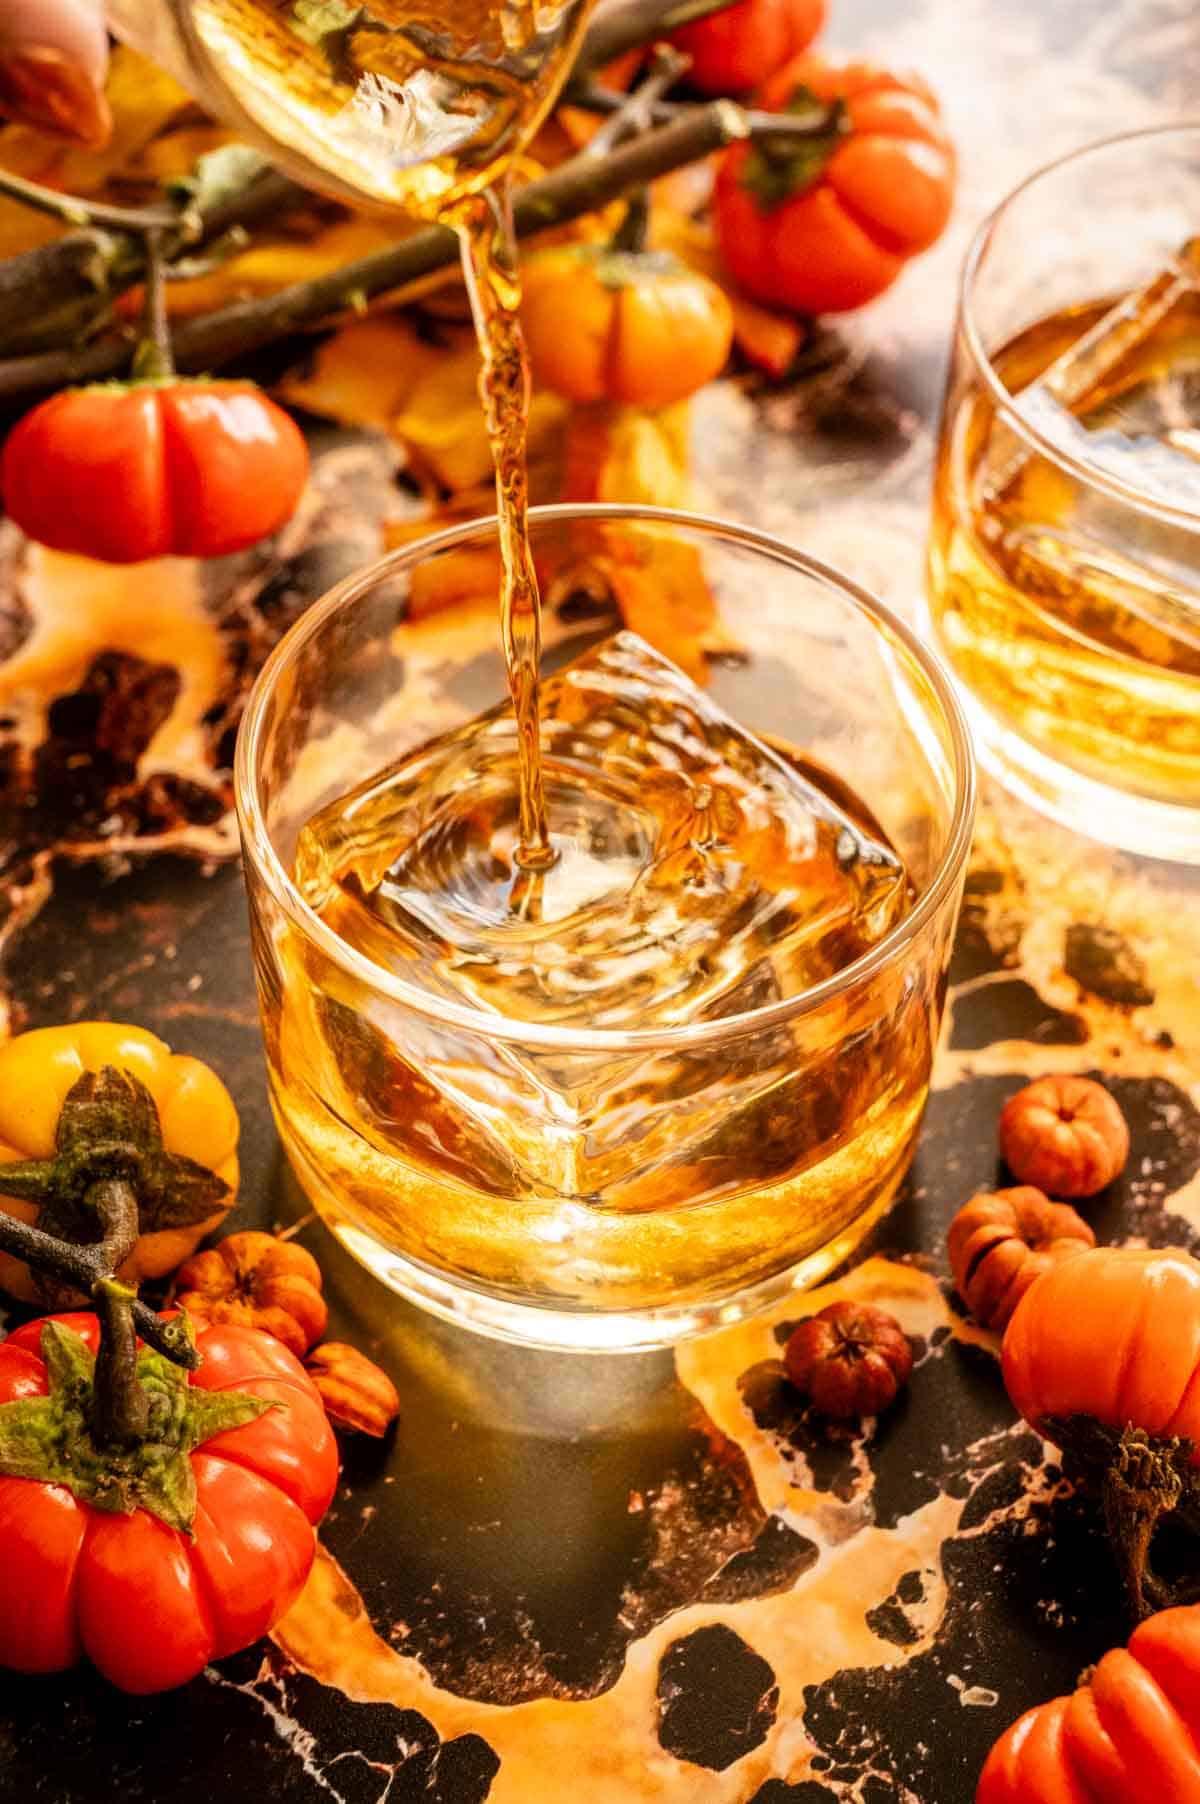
(576, 187)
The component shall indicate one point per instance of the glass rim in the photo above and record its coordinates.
(263, 857)
(1008, 404)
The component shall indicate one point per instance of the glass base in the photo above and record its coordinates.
(585, 1331)
(581, 1330)
(1114, 817)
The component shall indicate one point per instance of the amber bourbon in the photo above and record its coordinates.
(1072, 615)
(698, 874)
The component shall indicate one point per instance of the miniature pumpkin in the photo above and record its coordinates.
(605, 323)
(850, 1359)
(1065, 1134)
(259, 1281)
(1002, 1241)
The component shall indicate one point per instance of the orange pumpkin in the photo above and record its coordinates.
(736, 49)
(1113, 1335)
(608, 324)
(1102, 1357)
(198, 1121)
(1131, 1735)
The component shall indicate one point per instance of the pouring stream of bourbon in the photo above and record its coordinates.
(422, 108)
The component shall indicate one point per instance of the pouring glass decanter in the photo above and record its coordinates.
(397, 103)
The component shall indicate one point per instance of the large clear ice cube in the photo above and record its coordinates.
(700, 873)
(695, 863)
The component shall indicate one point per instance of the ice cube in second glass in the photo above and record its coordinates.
(698, 871)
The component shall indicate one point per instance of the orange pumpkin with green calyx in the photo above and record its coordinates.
(825, 222)
(190, 1176)
(1102, 1357)
(157, 1492)
(616, 322)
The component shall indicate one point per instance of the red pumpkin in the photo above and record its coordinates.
(827, 224)
(736, 49)
(154, 469)
(197, 1552)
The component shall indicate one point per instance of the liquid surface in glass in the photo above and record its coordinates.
(1069, 613)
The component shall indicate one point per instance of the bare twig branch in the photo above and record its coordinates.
(635, 112)
(799, 125)
(58, 294)
(73, 211)
(576, 187)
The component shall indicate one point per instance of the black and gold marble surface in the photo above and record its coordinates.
(650, 1580)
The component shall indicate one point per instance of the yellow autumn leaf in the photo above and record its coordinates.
(364, 374)
(441, 422)
(266, 267)
(177, 151)
(618, 453)
(660, 586)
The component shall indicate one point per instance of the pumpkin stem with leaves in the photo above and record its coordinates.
(108, 1156)
(621, 322)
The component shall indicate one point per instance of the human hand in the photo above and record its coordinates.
(53, 59)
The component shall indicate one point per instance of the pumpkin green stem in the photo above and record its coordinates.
(153, 361)
(779, 166)
(109, 1167)
(55, 1439)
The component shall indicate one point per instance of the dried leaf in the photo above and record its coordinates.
(364, 374)
(624, 454)
(266, 267)
(441, 423)
(657, 580)
(659, 583)
(770, 341)
(467, 574)
(174, 156)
